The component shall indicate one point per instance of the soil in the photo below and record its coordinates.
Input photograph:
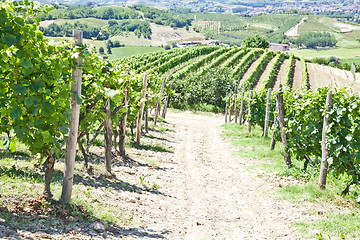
(249, 70)
(320, 76)
(281, 75)
(297, 80)
(293, 32)
(205, 192)
(264, 74)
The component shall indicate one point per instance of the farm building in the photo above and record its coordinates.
(279, 47)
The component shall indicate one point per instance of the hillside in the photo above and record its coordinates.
(346, 34)
(250, 68)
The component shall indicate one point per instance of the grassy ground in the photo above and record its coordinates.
(128, 51)
(342, 224)
(325, 53)
(119, 52)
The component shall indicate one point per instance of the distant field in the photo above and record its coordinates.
(353, 60)
(337, 52)
(90, 21)
(132, 50)
(118, 52)
(235, 29)
(345, 34)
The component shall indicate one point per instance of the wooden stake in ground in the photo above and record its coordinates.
(231, 95)
(122, 131)
(235, 107)
(226, 108)
(267, 114)
(108, 135)
(74, 125)
(141, 111)
(241, 115)
(249, 120)
(325, 152)
(107, 131)
(273, 142)
(147, 114)
(166, 104)
(281, 112)
(157, 108)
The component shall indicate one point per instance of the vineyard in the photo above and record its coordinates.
(319, 126)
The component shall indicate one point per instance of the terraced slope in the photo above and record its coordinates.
(248, 67)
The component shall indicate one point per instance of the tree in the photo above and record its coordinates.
(101, 50)
(256, 41)
(116, 43)
(109, 44)
(109, 50)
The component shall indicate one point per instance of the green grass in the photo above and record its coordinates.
(262, 160)
(254, 147)
(337, 226)
(90, 21)
(155, 148)
(119, 52)
(325, 53)
(351, 60)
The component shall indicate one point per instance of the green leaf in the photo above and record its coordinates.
(9, 39)
(19, 88)
(15, 112)
(77, 99)
(13, 146)
(37, 85)
(21, 132)
(26, 63)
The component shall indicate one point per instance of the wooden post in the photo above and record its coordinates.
(147, 114)
(241, 109)
(122, 130)
(166, 105)
(235, 107)
(281, 112)
(108, 136)
(249, 121)
(273, 142)
(157, 108)
(141, 111)
(325, 151)
(108, 131)
(231, 95)
(226, 108)
(74, 125)
(267, 114)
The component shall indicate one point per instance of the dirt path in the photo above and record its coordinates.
(293, 32)
(281, 75)
(207, 193)
(297, 81)
(204, 192)
(264, 74)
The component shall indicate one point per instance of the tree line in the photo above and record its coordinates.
(316, 39)
(140, 28)
(172, 18)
